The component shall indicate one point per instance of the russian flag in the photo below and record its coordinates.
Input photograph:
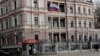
(53, 7)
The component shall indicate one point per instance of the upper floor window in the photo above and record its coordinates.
(72, 24)
(2, 26)
(6, 9)
(61, 7)
(55, 22)
(79, 10)
(79, 23)
(15, 5)
(15, 20)
(6, 24)
(71, 9)
(36, 3)
(84, 10)
(90, 24)
(1, 11)
(89, 11)
(84, 24)
(62, 22)
(54, 7)
(36, 21)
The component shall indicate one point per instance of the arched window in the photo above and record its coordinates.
(72, 24)
(71, 9)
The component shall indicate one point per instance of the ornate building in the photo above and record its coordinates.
(46, 20)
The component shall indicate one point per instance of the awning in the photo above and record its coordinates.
(30, 41)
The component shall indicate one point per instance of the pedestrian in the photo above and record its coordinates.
(34, 51)
(18, 52)
(96, 47)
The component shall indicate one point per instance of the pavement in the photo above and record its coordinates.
(75, 54)
(86, 53)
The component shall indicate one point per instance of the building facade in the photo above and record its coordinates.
(23, 19)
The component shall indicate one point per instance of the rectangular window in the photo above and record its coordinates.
(1, 11)
(61, 7)
(55, 22)
(84, 10)
(15, 5)
(6, 9)
(84, 24)
(15, 19)
(62, 22)
(79, 23)
(1, 26)
(36, 21)
(6, 24)
(36, 37)
(49, 22)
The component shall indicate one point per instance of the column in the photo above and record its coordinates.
(83, 36)
(59, 36)
(51, 22)
(52, 36)
(59, 22)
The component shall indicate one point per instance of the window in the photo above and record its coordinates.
(90, 38)
(63, 37)
(80, 38)
(48, 5)
(3, 40)
(1, 11)
(72, 38)
(50, 37)
(36, 3)
(15, 19)
(16, 39)
(36, 20)
(85, 38)
(96, 37)
(55, 22)
(36, 37)
(61, 7)
(84, 24)
(89, 11)
(79, 23)
(79, 10)
(2, 26)
(49, 21)
(84, 10)
(72, 24)
(15, 5)
(62, 22)
(89, 24)
(6, 24)
(71, 9)
(6, 9)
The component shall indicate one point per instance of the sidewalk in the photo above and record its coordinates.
(84, 53)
